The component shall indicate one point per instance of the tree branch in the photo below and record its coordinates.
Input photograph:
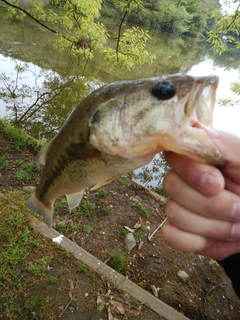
(31, 107)
(27, 114)
(120, 27)
(233, 18)
(33, 18)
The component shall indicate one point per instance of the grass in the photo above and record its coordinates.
(53, 280)
(4, 163)
(61, 228)
(124, 184)
(18, 138)
(25, 261)
(118, 261)
(209, 300)
(18, 162)
(142, 210)
(107, 209)
(82, 268)
(23, 174)
(17, 243)
(122, 231)
(140, 233)
(86, 209)
(39, 266)
(102, 192)
(60, 204)
(74, 227)
(88, 228)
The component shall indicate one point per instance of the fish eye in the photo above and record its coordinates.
(164, 90)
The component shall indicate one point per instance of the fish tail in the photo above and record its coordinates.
(38, 207)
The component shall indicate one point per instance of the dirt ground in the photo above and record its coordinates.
(100, 226)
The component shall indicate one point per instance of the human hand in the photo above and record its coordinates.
(204, 206)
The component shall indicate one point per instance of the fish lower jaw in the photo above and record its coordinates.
(195, 143)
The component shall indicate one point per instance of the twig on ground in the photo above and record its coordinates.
(214, 287)
(156, 230)
(66, 307)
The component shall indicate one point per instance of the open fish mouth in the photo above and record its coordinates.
(201, 101)
(191, 139)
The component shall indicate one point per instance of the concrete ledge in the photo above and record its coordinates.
(161, 308)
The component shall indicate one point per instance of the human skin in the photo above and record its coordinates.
(203, 208)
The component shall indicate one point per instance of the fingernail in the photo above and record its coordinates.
(235, 232)
(235, 214)
(211, 184)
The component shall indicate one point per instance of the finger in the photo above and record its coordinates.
(224, 205)
(190, 222)
(229, 146)
(181, 240)
(204, 178)
(220, 250)
(231, 185)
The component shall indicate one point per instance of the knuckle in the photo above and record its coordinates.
(215, 208)
(167, 234)
(170, 184)
(170, 209)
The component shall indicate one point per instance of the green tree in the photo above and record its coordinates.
(201, 14)
(175, 16)
(225, 35)
(226, 30)
(77, 28)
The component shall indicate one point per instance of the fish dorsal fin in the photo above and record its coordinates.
(41, 157)
(74, 199)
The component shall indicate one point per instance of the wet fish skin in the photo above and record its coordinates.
(120, 127)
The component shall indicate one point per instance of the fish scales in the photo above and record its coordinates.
(120, 127)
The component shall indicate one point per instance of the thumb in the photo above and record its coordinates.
(229, 146)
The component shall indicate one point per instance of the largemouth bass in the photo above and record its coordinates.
(120, 127)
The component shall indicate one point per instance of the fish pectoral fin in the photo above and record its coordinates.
(105, 181)
(41, 157)
(74, 199)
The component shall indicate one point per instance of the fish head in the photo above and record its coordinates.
(143, 117)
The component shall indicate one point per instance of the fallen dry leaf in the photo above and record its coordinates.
(138, 224)
(154, 290)
(101, 299)
(133, 312)
(118, 306)
(108, 293)
(71, 288)
(140, 245)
